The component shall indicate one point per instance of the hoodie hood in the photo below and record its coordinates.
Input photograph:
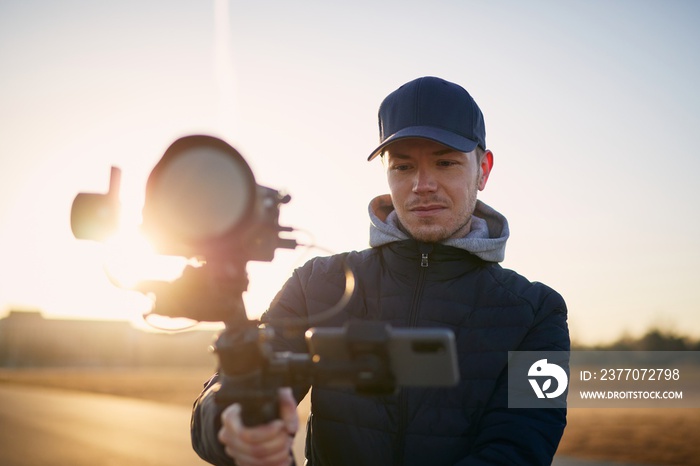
(486, 239)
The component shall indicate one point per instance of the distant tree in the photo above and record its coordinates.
(654, 339)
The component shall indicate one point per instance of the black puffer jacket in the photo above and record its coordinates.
(408, 284)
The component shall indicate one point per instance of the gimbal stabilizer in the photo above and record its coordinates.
(202, 201)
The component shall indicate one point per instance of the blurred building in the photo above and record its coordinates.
(27, 339)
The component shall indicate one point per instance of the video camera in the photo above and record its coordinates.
(202, 201)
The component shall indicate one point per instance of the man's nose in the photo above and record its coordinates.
(424, 181)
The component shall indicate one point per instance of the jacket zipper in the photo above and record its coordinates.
(425, 250)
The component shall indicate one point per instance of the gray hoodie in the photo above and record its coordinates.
(486, 239)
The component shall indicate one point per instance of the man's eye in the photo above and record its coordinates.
(446, 163)
(402, 167)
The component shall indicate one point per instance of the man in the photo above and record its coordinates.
(433, 263)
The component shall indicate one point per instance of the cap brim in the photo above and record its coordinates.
(442, 136)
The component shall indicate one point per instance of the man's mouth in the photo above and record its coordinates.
(426, 210)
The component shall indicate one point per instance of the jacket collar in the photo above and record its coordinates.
(408, 257)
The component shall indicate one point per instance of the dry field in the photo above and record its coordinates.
(642, 436)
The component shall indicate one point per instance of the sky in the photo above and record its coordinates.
(591, 111)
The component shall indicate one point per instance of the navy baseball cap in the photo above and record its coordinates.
(431, 108)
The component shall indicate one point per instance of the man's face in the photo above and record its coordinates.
(433, 187)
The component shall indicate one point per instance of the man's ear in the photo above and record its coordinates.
(485, 168)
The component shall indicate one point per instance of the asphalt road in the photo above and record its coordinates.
(57, 427)
(61, 427)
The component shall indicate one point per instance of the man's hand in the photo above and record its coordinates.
(266, 445)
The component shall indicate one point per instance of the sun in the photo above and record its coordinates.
(130, 259)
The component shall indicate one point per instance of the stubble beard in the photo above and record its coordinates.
(436, 233)
(427, 231)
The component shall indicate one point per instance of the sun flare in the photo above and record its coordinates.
(131, 259)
